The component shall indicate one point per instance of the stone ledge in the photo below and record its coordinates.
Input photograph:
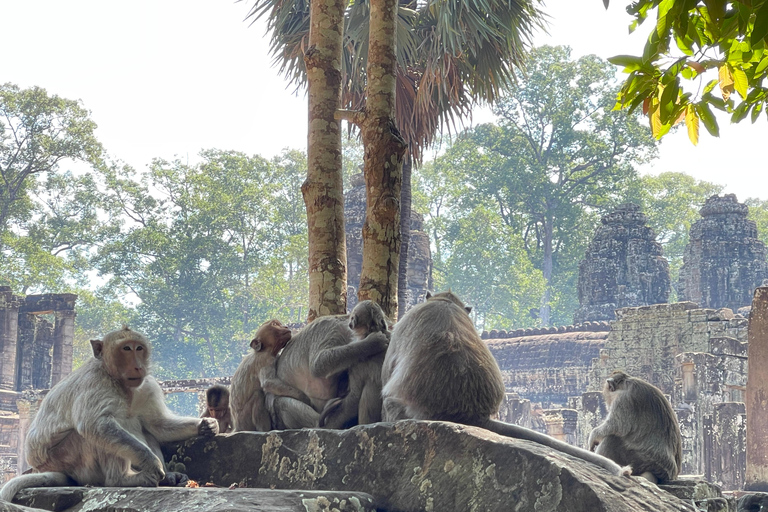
(202, 499)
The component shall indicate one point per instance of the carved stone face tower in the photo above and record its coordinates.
(623, 267)
(724, 261)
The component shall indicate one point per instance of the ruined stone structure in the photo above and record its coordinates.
(419, 255)
(724, 261)
(623, 267)
(697, 357)
(34, 354)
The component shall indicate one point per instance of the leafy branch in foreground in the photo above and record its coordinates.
(717, 44)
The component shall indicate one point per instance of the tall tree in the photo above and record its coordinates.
(448, 55)
(38, 132)
(558, 153)
(323, 190)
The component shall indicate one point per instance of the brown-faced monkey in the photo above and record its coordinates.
(314, 363)
(362, 402)
(217, 407)
(438, 368)
(641, 429)
(102, 425)
(247, 400)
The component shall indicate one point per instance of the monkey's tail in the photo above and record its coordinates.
(518, 432)
(330, 406)
(47, 479)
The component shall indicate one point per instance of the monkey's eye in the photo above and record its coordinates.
(139, 348)
(126, 347)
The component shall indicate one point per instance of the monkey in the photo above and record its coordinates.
(103, 424)
(217, 407)
(362, 402)
(248, 408)
(640, 431)
(438, 368)
(314, 364)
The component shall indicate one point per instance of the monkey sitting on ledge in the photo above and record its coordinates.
(641, 429)
(217, 407)
(103, 424)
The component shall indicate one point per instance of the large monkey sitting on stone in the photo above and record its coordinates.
(362, 402)
(249, 411)
(313, 364)
(438, 368)
(102, 425)
(641, 429)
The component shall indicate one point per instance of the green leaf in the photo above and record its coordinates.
(692, 123)
(762, 66)
(740, 82)
(708, 118)
(629, 62)
(756, 111)
(760, 28)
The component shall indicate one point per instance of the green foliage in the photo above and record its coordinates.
(758, 212)
(556, 158)
(211, 251)
(717, 44)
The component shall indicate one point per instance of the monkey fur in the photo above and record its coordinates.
(217, 407)
(641, 429)
(103, 424)
(438, 368)
(315, 363)
(362, 402)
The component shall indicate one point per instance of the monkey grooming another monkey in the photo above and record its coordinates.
(362, 403)
(641, 429)
(248, 408)
(438, 368)
(217, 407)
(102, 425)
(314, 363)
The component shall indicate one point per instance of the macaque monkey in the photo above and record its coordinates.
(641, 429)
(314, 364)
(249, 412)
(362, 403)
(217, 407)
(438, 368)
(103, 424)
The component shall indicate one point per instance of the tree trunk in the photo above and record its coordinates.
(323, 189)
(546, 270)
(383, 162)
(405, 237)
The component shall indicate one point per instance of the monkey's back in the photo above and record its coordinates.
(439, 367)
(652, 442)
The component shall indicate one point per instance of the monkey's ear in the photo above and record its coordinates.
(428, 296)
(468, 309)
(98, 347)
(611, 384)
(256, 344)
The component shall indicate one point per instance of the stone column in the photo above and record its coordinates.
(756, 478)
(63, 336)
(561, 424)
(9, 322)
(515, 410)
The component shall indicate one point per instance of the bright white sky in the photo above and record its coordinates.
(166, 78)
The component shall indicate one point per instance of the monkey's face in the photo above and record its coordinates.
(272, 336)
(614, 385)
(129, 360)
(218, 412)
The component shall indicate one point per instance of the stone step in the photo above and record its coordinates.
(201, 499)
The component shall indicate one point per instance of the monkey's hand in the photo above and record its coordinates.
(151, 471)
(379, 342)
(208, 427)
(593, 441)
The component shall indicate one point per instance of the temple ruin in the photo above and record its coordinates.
(624, 267)
(724, 260)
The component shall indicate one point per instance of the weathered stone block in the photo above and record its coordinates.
(420, 466)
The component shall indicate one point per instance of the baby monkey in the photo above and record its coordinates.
(641, 429)
(217, 407)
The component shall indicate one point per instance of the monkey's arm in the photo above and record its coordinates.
(271, 383)
(165, 426)
(332, 361)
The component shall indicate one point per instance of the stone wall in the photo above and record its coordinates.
(724, 260)
(623, 267)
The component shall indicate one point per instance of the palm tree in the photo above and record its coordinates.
(450, 56)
